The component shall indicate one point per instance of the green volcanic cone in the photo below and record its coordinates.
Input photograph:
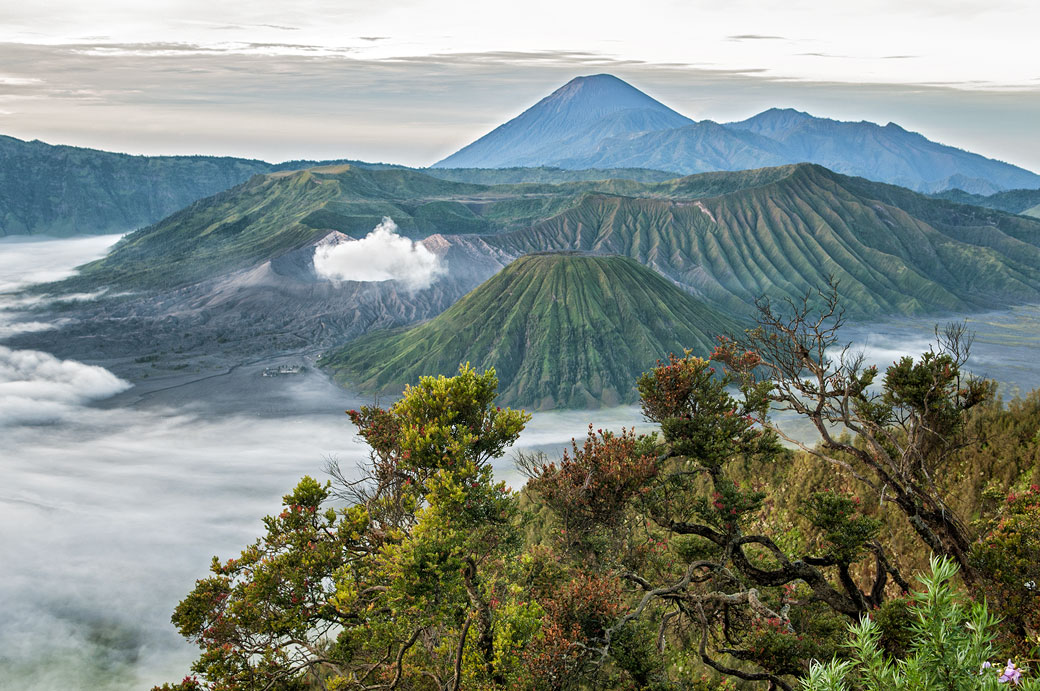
(562, 330)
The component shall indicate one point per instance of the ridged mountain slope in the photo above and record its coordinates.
(728, 236)
(695, 148)
(561, 330)
(65, 190)
(776, 137)
(273, 214)
(733, 237)
(513, 176)
(280, 212)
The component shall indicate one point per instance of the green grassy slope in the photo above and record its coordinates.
(561, 330)
(66, 190)
(275, 213)
(69, 190)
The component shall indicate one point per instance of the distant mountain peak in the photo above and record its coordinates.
(774, 120)
(600, 121)
(785, 112)
(580, 113)
(604, 93)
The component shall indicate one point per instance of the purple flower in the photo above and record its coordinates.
(1011, 674)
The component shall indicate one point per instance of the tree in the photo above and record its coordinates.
(405, 586)
(901, 430)
(677, 520)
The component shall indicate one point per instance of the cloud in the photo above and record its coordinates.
(755, 37)
(19, 81)
(49, 260)
(38, 388)
(108, 519)
(8, 329)
(232, 97)
(35, 387)
(382, 255)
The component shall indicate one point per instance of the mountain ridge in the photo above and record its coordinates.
(62, 190)
(234, 273)
(729, 237)
(776, 136)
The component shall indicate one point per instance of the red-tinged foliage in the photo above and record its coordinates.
(576, 618)
(1007, 554)
(380, 429)
(698, 416)
(737, 359)
(593, 483)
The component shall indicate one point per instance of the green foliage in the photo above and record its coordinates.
(776, 647)
(697, 414)
(933, 388)
(951, 647)
(1007, 555)
(845, 531)
(701, 422)
(416, 565)
(290, 572)
(669, 562)
(442, 421)
(895, 620)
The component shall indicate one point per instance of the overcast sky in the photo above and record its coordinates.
(411, 82)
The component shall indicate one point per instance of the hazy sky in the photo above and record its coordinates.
(411, 82)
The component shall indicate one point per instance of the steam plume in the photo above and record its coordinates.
(382, 255)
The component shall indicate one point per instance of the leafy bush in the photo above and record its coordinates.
(951, 648)
(1007, 556)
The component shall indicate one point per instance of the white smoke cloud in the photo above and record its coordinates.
(39, 388)
(382, 255)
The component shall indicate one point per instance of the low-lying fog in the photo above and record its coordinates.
(109, 510)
